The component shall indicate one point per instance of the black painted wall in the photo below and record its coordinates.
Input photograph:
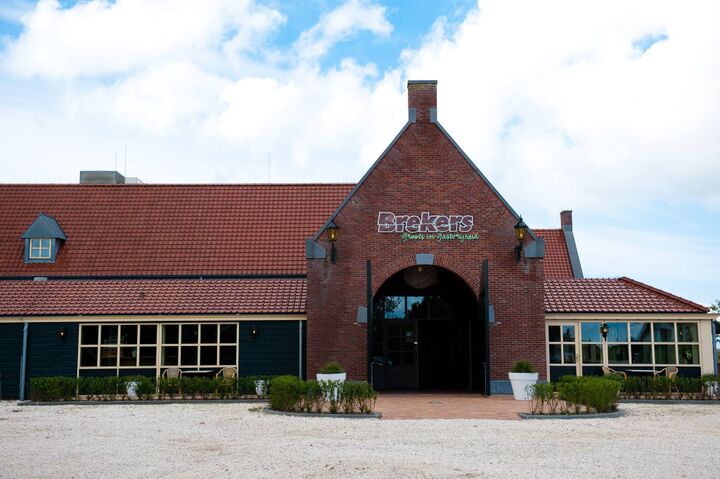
(10, 351)
(48, 353)
(273, 351)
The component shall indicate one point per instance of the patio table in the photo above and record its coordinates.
(642, 371)
(198, 372)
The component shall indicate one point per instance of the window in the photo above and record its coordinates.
(40, 248)
(592, 347)
(618, 346)
(134, 346)
(561, 343)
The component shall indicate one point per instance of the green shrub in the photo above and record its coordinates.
(575, 395)
(56, 388)
(286, 393)
(522, 367)
(333, 367)
(314, 400)
(543, 398)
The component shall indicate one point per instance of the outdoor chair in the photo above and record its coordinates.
(609, 372)
(226, 373)
(171, 373)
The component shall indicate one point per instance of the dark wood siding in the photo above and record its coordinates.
(48, 353)
(273, 351)
(10, 351)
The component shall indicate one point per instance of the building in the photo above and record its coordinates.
(430, 281)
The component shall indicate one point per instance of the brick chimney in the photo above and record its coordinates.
(566, 219)
(422, 100)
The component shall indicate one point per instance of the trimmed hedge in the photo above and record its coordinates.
(292, 394)
(575, 395)
(662, 387)
(61, 388)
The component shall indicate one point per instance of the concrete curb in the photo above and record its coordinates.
(606, 415)
(670, 401)
(375, 415)
(141, 402)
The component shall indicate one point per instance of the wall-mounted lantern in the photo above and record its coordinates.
(332, 232)
(604, 329)
(62, 332)
(520, 232)
(254, 331)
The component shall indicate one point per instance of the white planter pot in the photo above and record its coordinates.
(520, 383)
(337, 379)
(260, 387)
(131, 388)
(331, 377)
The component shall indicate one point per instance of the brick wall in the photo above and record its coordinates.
(423, 171)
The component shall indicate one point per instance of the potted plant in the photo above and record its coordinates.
(332, 371)
(522, 376)
(331, 377)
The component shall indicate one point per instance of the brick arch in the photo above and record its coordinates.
(383, 273)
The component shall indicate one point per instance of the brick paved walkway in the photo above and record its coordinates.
(450, 405)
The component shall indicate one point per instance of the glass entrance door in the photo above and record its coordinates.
(401, 353)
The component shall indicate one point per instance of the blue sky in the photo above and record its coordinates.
(608, 108)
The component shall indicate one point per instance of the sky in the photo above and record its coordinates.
(608, 108)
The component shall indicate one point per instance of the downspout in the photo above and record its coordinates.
(300, 349)
(714, 331)
(23, 361)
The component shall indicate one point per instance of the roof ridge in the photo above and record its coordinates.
(145, 185)
(661, 292)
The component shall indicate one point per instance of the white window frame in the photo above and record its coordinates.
(37, 250)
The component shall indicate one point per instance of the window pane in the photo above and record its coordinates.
(687, 333)
(688, 354)
(555, 354)
(568, 334)
(569, 353)
(228, 333)
(439, 309)
(128, 356)
(554, 334)
(417, 307)
(618, 354)
(147, 355)
(128, 334)
(169, 356)
(171, 334)
(148, 334)
(591, 333)
(89, 335)
(108, 356)
(228, 356)
(641, 354)
(640, 332)
(88, 357)
(664, 354)
(45, 243)
(108, 334)
(592, 354)
(188, 356)
(617, 332)
(394, 307)
(208, 333)
(189, 333)
(208, 355)
(664, 332)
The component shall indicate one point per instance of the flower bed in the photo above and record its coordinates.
(574, 395)
(292, 394)
(113, 388)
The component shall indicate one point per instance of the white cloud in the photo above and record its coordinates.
(340, 24)
(100, 37)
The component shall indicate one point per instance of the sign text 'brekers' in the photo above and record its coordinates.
(426, 226)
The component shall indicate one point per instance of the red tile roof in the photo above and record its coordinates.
(621, 295)
(146, 296)
(183, 230)
(557, 259)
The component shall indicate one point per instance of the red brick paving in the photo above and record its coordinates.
(452, 405)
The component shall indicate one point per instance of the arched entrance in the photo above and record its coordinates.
(426, 332)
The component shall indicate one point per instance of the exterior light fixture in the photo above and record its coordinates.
(520, 232)
(332, 232)
(62, 333)
(254, 331)
(604, 329)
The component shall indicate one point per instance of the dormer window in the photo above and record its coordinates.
(40, 248)
(43, 239)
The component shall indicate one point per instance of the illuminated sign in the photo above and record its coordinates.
(426, 226)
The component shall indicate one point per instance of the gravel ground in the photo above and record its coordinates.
(235, 440)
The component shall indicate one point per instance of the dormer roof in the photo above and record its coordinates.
(44, 226)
